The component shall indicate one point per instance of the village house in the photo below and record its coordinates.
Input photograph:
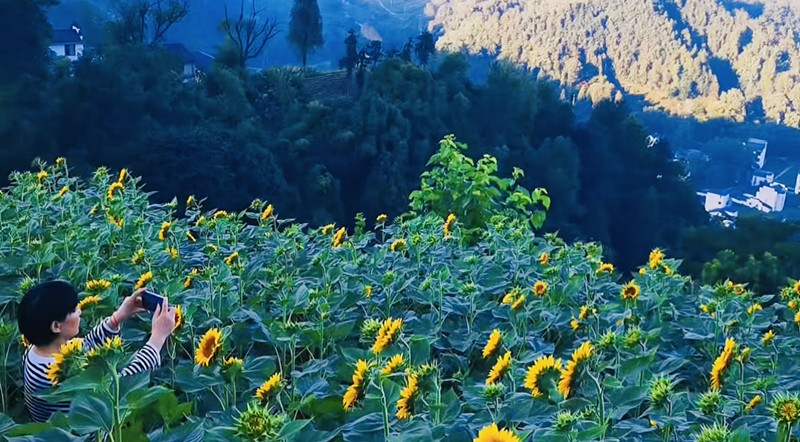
(67, 43)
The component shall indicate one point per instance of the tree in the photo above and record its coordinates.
(145, 21)
(351, 55)
(305, 27)
(248, 36)
(424, 47)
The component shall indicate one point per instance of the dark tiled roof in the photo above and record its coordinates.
(65, 36)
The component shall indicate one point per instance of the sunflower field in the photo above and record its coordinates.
(457, 321)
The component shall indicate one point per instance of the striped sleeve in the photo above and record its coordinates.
(35, 380)
(146, 359)
(99, 335)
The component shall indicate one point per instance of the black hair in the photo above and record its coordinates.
(41, 305)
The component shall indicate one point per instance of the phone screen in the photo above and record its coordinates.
(150, 301)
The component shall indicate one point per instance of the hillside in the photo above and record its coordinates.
(702, 58)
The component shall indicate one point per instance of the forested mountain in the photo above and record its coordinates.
(704, 58)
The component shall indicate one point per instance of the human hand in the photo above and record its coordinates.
(130, 306)
(163, 324)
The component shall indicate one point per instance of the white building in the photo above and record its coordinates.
(715, 201)
(761, 177)
(759, 149)
(773, 196)
(67, 43)
(797, 184)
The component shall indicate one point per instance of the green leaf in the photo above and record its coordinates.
(91, 412)
(290, 430)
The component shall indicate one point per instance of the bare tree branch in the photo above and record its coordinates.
(248, 34)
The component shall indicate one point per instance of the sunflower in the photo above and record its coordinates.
(269, 386)
(137, 257)
(327, 229)
(210, 343)
(187, 283)
(656, 256)
(394, 363)
(448, 225)
(57, 369)
(164, 230)
(642, 271)
(119, 222)
(768, 337)
(60, 161)
(756, 307)
(172, 252)
(786, 409)
(98, 285)
(190, 200)
(493, 434)
(797, 317)
(398, 245)
(114, 188)
(605, 267)
(500, 367)
(491, 344)
(544, 258)
(381, 218)
(518, 303)
(721, 364)
(351, 395)
(407, 397)
(63, 192)
(338, 237)
(144, 280)
(386, 334)
(88, 301)
(540, 366)
(220, 214)
(797, 287)
(41, 175)
(581, 354)
(267, 212)
(232, 259)
(540, 288)
(23, 341)
(630, 291)
(753, 402)
(368, 291)
(122, 174)
(178, 317)
(584, 312)
(101, 352)
(190, 237)
(575, 324)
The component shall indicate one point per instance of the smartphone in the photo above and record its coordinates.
(150, 301)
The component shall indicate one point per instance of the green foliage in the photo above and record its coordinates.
(294, 303)
(473, 192)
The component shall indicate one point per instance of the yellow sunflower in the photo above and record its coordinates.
(544, 258)
(98, 285)
(540, 288)
(540, 366)
(605, 267)
(269, 386)
(122, 174)
(493, 434)
(721, 364)
(581, 354)
(518, 303)
(656, 256)
(41, 175)
(114, 188)
(55, 372)
(381, 218)
(406, 398)
(232, 259)
(210, 343)
(630, 291)
(492, 343)
(137, 257)
(88, 301)
(500, 367)
(190, 200)
(63, 192)
(351, 395)
(327, 229)
(178, 317)
(338, 237)
(190, 237)
(394, 363)
(267, 212)
(368, 291)
(448, 225)
(398, 245)
(753, 402)
(144, 280)
(164, 230)
(220, 214)
(768, 337)
(386, 334)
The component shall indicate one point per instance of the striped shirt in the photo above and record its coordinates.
(35, 369)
